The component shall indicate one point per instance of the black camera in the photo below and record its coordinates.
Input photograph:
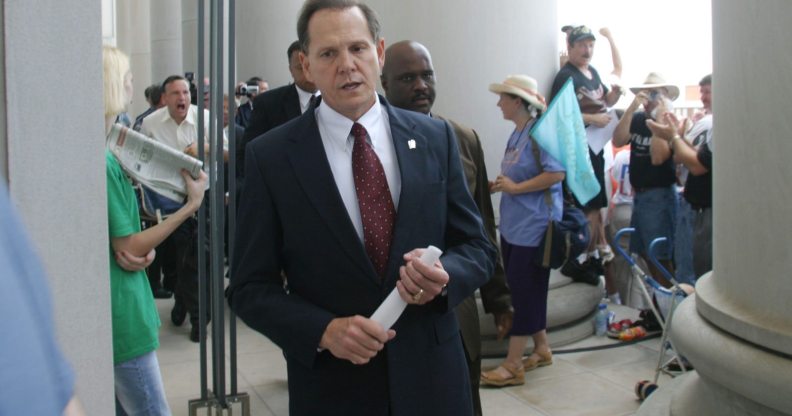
(189, 76)
(247, 90)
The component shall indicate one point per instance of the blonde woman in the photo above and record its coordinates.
(138, 383)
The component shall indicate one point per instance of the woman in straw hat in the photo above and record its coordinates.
(525, 213)
(138, 383)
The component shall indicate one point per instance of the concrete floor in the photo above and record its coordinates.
(584, 383)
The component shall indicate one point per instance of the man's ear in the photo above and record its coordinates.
(306, 65)
(381, 52)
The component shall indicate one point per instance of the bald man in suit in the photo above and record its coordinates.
(408, 79)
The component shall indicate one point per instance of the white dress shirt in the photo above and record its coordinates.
(163, 128)
(337, 139)
(305, 97)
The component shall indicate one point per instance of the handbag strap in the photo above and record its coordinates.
(538, 159)
(548, 200)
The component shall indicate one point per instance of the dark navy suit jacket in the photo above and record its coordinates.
(292, 219)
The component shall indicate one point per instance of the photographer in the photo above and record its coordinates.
(652, 171)
(250, 89)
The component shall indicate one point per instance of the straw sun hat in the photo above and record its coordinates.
(522, 86)
(654, 80)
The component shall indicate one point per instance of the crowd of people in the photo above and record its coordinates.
(341, 190)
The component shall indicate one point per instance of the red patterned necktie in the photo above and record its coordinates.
(374, 200)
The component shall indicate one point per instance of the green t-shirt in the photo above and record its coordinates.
(135, 317)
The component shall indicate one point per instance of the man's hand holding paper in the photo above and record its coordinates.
(355, 338)
(420, 283)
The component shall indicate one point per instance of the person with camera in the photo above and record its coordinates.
(249, 89)
(652, 171)
(277, 106)
(692, 148)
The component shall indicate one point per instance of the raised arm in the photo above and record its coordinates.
(615, 55)
(616, 90)
(621, 136)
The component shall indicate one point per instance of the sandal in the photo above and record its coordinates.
(532, 362)
(493, 378)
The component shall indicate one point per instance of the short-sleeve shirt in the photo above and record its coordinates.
(590, 93)
(697, 135)
(698, 190)
(643, 174)
(524, 217)
(135, 318)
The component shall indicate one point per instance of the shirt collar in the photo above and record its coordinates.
(339, 127)
(192, 114)
(305, 97)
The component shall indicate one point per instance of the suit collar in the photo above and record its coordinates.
(414, 156)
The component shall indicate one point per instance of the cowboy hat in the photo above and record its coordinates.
(653, 80)
(522, 86)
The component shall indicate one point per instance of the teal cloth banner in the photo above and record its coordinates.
(561, 133)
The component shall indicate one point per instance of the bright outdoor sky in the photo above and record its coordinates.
(671, 37)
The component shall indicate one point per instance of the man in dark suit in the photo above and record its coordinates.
(275, 107)
(318, 208)
(408, 79)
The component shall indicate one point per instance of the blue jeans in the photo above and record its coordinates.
(652, 217)
(683, 243)
(138, 387)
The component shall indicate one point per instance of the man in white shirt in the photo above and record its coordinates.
(176, 125)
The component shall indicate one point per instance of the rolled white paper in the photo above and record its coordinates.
(393, 306)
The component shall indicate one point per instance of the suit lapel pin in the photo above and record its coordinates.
(411, 144)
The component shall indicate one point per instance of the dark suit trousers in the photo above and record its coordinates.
(184, 240)
(164, 268)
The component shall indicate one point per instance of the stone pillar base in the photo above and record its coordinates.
(733, 377)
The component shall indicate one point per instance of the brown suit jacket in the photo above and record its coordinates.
(495, 294)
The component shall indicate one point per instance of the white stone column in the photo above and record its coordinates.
(166, 39)
(134, 37)
(737, 331)
(56, 172)
(264, 30)
(189, 21)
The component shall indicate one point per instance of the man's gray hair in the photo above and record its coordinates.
(312, 6)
